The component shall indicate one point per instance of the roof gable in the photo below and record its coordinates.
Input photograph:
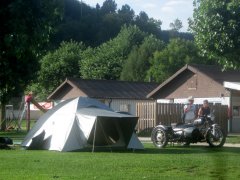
(108, 88)
(216, 73)
(212, 72)
(66, 90)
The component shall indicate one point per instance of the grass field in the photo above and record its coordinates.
(233, 139)
(169, 163)
(195, 162)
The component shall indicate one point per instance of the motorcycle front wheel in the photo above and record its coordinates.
(217, 138)
(159, 137)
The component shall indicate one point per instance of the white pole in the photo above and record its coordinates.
(21, 117)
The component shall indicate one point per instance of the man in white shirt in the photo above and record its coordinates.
(190, 111)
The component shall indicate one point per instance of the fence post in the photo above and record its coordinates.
(155, 114)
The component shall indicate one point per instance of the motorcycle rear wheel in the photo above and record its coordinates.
(159, 137)
(216, 140)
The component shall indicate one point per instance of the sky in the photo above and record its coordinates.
(165, 10)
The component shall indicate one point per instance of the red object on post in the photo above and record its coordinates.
(28, 98)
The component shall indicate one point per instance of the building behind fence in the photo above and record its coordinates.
(151, 114)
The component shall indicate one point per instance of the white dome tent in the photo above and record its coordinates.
(82, 122)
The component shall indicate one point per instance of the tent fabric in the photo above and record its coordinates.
(82, 122)
(134, 142)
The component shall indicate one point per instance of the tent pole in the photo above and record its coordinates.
(94, 136)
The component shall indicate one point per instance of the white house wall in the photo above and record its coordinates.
(118, 104)
(222, 100)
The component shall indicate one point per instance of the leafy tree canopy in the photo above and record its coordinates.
(25, 29)
(176, 25)
(56, 66)
(96, 25)
(216, 29)
(138, 62)
(126, 14)
(176, 54)
(105, 61)
(108, 7)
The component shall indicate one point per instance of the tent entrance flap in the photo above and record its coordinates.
(111, 131)
(38, 142)
(107, 132)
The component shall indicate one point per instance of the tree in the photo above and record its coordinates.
(216, 27)
(25, 28)
(106, 60)
(176, 54)
(167, 35)
(96, 25)
(80, 23)
(138, 62)
(56, 66)
(149, 25)
(108, 7)
(109, 27)
(176, 25)
(126, 14)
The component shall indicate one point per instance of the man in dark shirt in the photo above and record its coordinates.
(204, 110)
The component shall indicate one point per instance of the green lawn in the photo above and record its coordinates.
(169, 163)
(233, 139)
(173, 162)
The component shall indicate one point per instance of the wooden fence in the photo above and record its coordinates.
(151, 114)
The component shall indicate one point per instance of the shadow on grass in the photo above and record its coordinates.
(190, 150)
(198, 150)
(167, 150)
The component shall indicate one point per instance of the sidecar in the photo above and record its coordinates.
(185, 133)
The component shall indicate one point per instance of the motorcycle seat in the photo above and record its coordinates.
(184, 126)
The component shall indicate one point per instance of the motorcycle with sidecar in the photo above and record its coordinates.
(203, 129)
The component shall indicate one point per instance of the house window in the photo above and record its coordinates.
(124, 107)
(192, 83)
(236, 110)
